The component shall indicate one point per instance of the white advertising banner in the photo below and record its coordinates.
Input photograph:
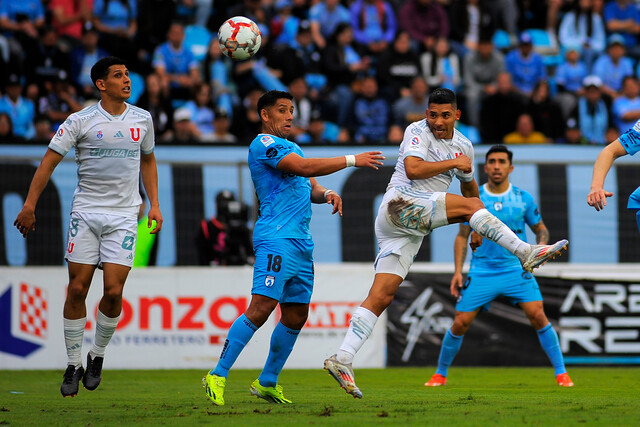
(177, 318)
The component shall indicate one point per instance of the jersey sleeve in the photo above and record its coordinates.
(149, 141)
(66, 137)
(630, 140)
(532, 213)
(414, 143)
(270, 150)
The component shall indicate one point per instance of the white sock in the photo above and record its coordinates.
(73, 334)
(360, 327)
(105, 327)
(490, 227)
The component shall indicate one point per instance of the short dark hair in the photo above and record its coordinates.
(100, 69)
(269, 99)
(443, 96)
(499, 148)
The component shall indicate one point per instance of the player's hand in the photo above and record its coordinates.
(456, 284)
(475, 241)
(464, 164)
(334, 199)
(25, 221)
(371, 159)
(598, 198)
(154, 215)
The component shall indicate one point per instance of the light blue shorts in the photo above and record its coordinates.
(283, 270)
(481, 288)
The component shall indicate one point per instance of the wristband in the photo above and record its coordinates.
(351, 160)
(327, 192)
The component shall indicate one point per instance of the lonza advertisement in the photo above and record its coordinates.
(176, 318)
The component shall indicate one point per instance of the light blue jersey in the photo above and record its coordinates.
(285, 199)
(630, 141)
(516, 208)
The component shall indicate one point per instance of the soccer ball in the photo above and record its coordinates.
(239, 38)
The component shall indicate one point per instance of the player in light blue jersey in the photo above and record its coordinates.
(627, 143)
(283, 271)
(496, 272)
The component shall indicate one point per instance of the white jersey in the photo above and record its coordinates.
(419, 142)
(108, 157)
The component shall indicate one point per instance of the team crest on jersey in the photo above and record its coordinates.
(416, 131)
(497, 206)
(135, 134)
(269, 281)
(99, 134)
(266, 140)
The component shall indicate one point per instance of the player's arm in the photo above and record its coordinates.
(149, 172)
(469, 189)
(301, 166)
(417, 168)
(597, 196)
(26, 219)
(459, 255)
(542, 233)
(319, 194)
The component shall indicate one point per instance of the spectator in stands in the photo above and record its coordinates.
(505, 14)
(424, 20)
(176, 65)
(153, 26)
(370, 114)
(185, 132)
(613, 66)
(20, 20)
(592, 112)
(622, 17)
(246, 121)
(58, 99)
(500, 110)
(397, 67)
(159, 106)
(582, 28)
(217, 70)
(324, 17)
(408, 109)
(573, 134)
(342, 65)
(569, 76)
(283, 26)
(6, 129)
(302, 107)
(48, 60)
(194, 12)
(545, 112)
(374, 25)
(470, 20)
(201, 109)
(626, 108)
(539, 14)
(44, 131)
(525, 132)
(20, 109)
(526, 66)
(441, 66)
(69, 18)
(117, 23)
(221, 126)
(82, 59)
(323, 132)
(481, 70)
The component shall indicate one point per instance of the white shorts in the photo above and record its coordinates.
(96, 238)
(404, 218)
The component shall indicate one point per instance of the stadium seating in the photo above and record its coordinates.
(197, 40)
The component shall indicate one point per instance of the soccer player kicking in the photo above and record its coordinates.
(283, 270)
(496, 272)
(431, 154)
(113, 144)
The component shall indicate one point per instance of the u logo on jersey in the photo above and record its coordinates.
(135, 134)
(497, 206)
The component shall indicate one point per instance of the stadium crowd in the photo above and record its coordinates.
(525, 71)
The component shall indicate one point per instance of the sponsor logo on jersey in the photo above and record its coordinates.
(60, 132)
(415, 141)
(113, 152)
(272, 152)
(266, 140)
(99, 134)
(269, 281)
(119, 135)
(135, 134)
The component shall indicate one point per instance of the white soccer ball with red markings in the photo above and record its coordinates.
(239, 38)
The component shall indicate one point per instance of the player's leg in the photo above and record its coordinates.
(471, 209)
(548, 339)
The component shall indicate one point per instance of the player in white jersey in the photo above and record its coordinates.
(431, 154)
(113, 144)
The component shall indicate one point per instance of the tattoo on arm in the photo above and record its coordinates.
(542, 233)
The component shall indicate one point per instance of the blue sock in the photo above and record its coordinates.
(282, 341)
(450, 347)
(239, 335)
(550, 344)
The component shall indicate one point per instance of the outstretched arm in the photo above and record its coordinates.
(598, 195)
(149, 172)
(26, 219)
(301, 166)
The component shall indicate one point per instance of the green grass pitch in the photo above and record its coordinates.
(392, 396)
